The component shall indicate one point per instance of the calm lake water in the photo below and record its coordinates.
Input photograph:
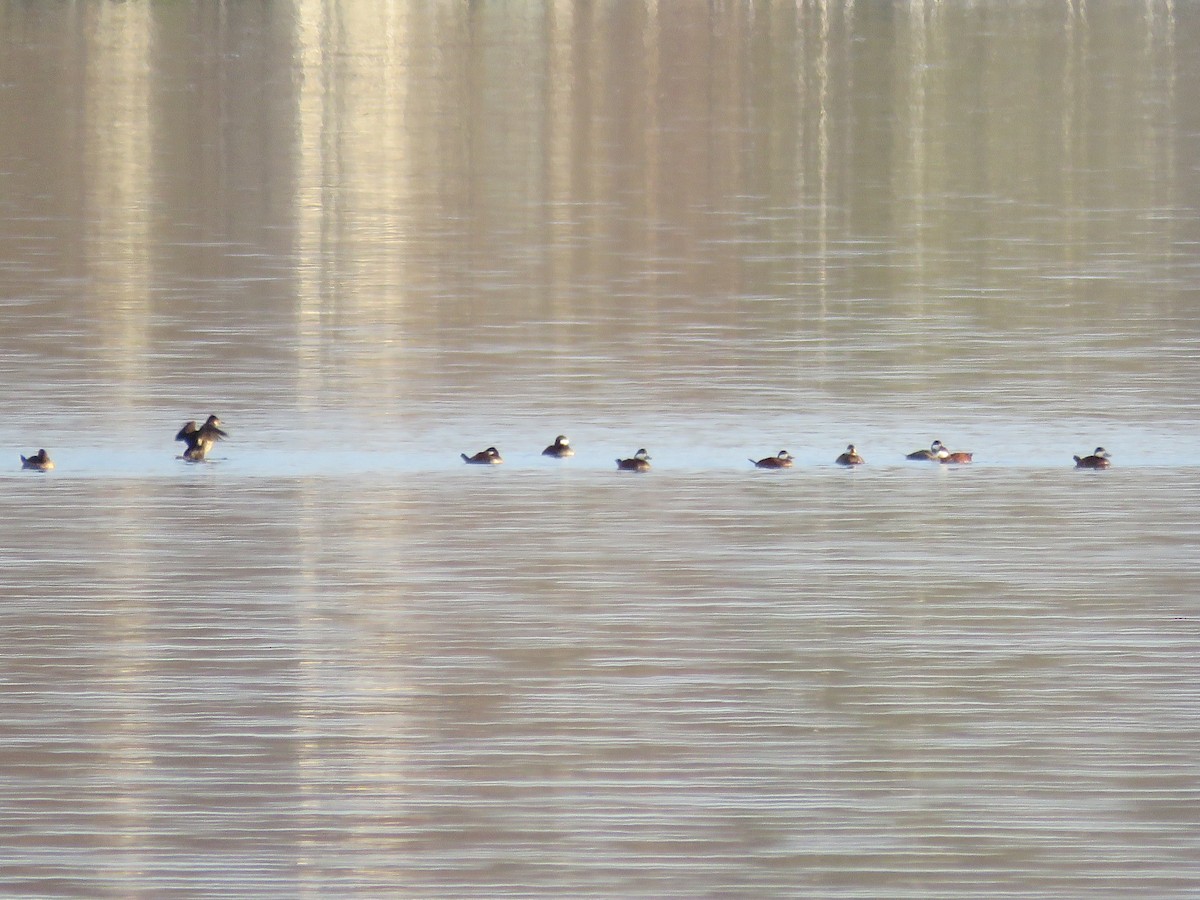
(335, 661)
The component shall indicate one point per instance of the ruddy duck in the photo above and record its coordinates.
(783, 461)
(200, 440)
(488, 457)
(40, 461)
(850, 458)
(639, 462)
(934, 452)
(561, 448)
(956, 458)
(1098, 460)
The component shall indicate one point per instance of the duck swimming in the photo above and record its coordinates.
(561, 448)
(850, 458)
(1098, 460)
(200, 440)
(933, 453)
(40, 461)
(783, 460)
(639, 462)
(488, 457)
(956, 458)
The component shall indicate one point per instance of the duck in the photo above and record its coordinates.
(956, 458)
(488, 457)
(561, 448)
(40, 461)
(639, 462)
(1100, 459)
(850, 457)
(200, 439)
(783, 460)
(934, 452)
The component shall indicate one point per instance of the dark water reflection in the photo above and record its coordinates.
(336, 661)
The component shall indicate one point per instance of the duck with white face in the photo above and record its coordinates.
(488, 457)
(933, 453)
(782, 460)
(955, 458)
(1099, 459)
(560, 449)
(639, 462)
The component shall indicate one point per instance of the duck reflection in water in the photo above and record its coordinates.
(639, 462)
(40, 462)
(200, 440)
(783, 460)
(488, 457)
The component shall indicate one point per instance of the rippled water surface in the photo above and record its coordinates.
(334, 660)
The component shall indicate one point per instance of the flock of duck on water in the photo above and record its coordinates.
(937, 452)
(200, 439)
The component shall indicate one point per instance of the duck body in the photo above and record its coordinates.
(931, 455)
(639, 462)
(560, 449)
(850, 458)
(783, 460)
(1100, 459)
(956, 458)
(40, 462)
(488, 457)
(200, 439)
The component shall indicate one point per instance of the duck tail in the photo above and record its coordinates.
(465, 457)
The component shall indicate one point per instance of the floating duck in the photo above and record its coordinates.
(783, 460)
(936, 448)
(639, 462)
(956, 458)
(488, 457)
(561, 448)
(1098, 460)
(850, 458)
(40, 461)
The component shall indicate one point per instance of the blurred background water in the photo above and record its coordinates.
(335, 661)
